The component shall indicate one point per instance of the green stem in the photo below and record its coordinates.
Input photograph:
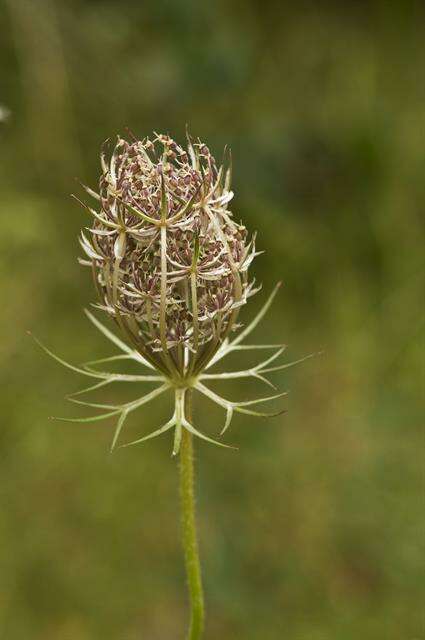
(189, 534)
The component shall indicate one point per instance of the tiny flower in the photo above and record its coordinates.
(4, 113)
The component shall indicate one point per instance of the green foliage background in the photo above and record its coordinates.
(313, 530)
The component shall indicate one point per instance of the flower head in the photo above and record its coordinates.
(170, 262)
(170, 265)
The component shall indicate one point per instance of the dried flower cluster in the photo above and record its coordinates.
(170, 262)
(171, 268)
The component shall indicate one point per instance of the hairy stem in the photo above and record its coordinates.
(189, 534)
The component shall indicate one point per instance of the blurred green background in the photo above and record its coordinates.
(313, 530)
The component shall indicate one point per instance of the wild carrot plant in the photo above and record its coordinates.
(170, 265)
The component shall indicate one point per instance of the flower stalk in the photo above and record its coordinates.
(189, 532)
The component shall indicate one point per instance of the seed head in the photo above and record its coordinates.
(170, 266)
(169, 261)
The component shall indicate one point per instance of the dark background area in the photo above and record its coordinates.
(313, 530)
